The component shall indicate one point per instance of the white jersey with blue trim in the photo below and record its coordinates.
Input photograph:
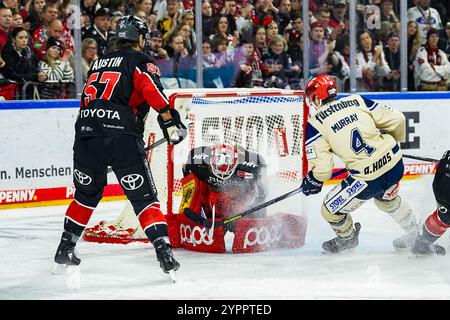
(364, 134)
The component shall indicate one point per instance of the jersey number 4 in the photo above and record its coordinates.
(109, 77)
(358, 144)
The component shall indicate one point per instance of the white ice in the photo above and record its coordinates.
(29, 237)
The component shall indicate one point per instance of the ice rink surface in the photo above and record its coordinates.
(29, 237)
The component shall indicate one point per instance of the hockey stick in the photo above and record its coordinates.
(161, 141)
(420, 158)
(208, 224)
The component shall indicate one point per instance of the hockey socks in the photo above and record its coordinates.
(153, 222)
(434, 228)
(76, 219)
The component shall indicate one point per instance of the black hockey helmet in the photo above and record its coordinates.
(130, 28)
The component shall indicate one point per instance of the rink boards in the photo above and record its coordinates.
(37, 138)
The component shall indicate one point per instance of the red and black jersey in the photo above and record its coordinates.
(248, 177)
(120, 88)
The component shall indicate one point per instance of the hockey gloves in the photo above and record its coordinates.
(311, 185)
(174, 130)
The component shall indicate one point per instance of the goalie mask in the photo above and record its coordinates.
(322, 87)
(224, 160)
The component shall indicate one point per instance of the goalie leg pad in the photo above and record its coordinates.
(197, 238)
(281, 230)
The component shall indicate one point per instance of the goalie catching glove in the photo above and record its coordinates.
(173, 129)
(311, 185)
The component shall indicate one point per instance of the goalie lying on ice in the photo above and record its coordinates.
(219, 182)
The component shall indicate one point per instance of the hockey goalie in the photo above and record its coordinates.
(219, 182)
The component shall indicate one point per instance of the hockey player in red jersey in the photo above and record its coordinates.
(121, 87)
(219, 182)
(439, 221)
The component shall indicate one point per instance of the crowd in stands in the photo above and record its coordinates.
(245, 43)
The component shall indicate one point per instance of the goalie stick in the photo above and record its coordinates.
(420, 158)
(190, 214)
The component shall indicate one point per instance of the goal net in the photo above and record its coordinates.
(268, 122)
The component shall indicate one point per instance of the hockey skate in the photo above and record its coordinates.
(165, 257)
(65, 254)
(424, 247)
(338, 244)
(405, 241)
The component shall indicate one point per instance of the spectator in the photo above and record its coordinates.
(322, 57)
(21, 64)
(221, 27)
(371, 65)
(160, 8)
(271, 28)
(392, 53)
(88, 55)
(36, 14)
(244, 24)
(414, 44)
(260, 41)
(279, 64)
(338, 21)
(143, 5)
(54, 29)
(17, 21)
(50, 13)
(252, 71)
(432, 68)
(155, 48)
(297, 30)
(426, 17)
(324, 15)
(59, 72)
(184, 30)
(210, 64)
(100, 30)
(88, 8)
(284, 15)
(224, 51)
(295, 51)
(5, 25)
(188, 18)
(229, 11)
(168, 23)
(207, 19)
(112, 39)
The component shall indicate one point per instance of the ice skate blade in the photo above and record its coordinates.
(340, 253)
(63, 268)
(173, 276)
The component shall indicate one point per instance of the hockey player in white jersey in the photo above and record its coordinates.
(365, 136)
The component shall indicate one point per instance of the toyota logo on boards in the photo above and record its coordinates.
(132, 181)
(81, 177)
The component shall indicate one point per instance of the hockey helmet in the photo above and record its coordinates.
(323, 87)
(130, 28)
(224, 160)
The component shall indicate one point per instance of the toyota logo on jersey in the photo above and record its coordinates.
(81, 177)
(132, 181)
